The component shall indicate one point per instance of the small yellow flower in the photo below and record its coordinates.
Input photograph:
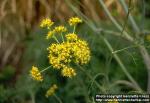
(51, 90)
(59, 54)
(60, 29)
(71, 37)
(35, 74)
(68, 72)
(46, 23)
(74, 21)
(55, 62)
(81, 52)
(50, 34)
(64, 53)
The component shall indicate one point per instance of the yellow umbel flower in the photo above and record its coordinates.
(35, 74)
(63, 53)
(74, 21)
(71, 37)
(50, 34)
(59, 54)
(46, 23)
(51, 90)
(68, 72)
(55, 62)
(81, 52)
(59, 29)
(73, 50)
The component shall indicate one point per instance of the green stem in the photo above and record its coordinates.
(74, 28)
(80, 81)
(132, 21)
(116, 51)
(123, 82)
(114, 21)
(97, 84)
(122, 66)
(55, 38)
(93, 100)
(62, 37)
(58, 99)
(45, 69)
(143, 50)
(32, 97)
(99, 74)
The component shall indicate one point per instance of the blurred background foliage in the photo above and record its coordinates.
(23, 44)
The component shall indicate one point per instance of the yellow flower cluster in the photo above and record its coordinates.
(50, 34)
(81, 52)
(51, 90)
(46, 23)
(68, 72)
(35, 74)
(61, 54)
(74, 21)
(71, 37)
(59, 29)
